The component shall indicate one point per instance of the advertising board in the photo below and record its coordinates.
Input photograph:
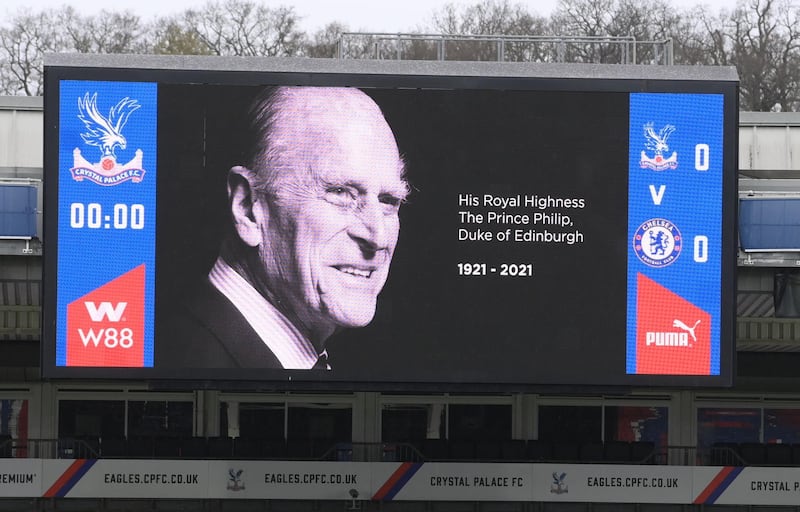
(324, 221)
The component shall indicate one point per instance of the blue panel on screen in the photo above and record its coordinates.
(107, 192)
(675, 234)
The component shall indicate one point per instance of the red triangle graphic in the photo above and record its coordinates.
(106, 326)
(673, 336)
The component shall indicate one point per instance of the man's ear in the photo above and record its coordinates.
(246, 212)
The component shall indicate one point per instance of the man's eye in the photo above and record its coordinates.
(340, 194)
(391, 200)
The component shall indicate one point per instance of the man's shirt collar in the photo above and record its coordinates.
(288, 344)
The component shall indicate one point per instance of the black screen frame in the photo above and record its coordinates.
(466, 81)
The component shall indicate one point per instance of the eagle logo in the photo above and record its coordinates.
(105, 132)
(558, 485)
(657, 143)
(235, 480)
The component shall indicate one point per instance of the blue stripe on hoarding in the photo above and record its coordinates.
(82, 469)
(411, 470)
(723, 486)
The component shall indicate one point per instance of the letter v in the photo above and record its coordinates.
(657, 196)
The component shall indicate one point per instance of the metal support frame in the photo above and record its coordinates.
(392, 46)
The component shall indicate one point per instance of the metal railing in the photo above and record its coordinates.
(374, 452)
(692, 456)
(501, 48)
(717, 455)
(406, 452)
(48, 449)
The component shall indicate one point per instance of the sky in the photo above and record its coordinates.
(359, 15)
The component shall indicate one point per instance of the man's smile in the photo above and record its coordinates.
(364, 272)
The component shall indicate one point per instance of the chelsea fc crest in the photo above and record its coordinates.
(657, 243)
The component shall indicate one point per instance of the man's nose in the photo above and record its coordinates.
(371, 229)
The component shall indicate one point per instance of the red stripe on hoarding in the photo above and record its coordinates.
(64, 478)
(713, 485)
(390, 483)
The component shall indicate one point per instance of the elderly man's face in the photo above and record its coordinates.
(332, 222)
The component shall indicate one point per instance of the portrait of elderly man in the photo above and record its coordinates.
(313, 226)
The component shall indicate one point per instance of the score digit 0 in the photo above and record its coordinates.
(701, 157)
(701, 249)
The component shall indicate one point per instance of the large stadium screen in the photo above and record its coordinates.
(400, 226)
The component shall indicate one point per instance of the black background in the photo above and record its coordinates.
(565, 325)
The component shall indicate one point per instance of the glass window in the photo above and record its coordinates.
(633, 423)
(727, 425)
(471, 422)
(412, 422)
(13, 425)
(569, 423)
(320, 421)
(91, 418)
(782, 425)
(159, 418)
(261, 420)
(14, 418)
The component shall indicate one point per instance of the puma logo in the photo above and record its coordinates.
(680, 325)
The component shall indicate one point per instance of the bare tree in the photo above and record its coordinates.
(233, 27)
(760, 37)
(243, 27)
(700, 39)
(764, 36)
(336, 37)
(171, 37)
(23, 42)
(105, 32)
(587, 18)
(608, 23)
(653, 24)
(485, 18)
(325, 42)
(28, 36)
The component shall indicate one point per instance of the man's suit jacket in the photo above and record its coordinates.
(207, 331)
